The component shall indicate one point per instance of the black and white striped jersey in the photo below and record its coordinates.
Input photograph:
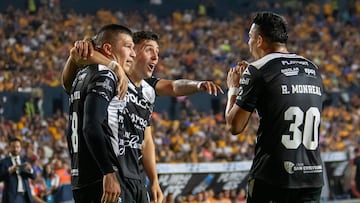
(286, 91)
(128, 119)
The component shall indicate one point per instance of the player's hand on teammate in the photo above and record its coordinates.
(210, 87)
(156, 193)
(111, 188)
(235, 74)
(82, 52)
(123, 81)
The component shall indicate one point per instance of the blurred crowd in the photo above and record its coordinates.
(34, 46)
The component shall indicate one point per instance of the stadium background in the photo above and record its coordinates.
(200, 40)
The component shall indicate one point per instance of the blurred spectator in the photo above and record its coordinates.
(355, 177)
(63, 193)
(52, 182)
(16, 171)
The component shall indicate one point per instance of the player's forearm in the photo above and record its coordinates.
(68, 74)
(149, 161)
(229, 105)
(99, 58)
(183, 87)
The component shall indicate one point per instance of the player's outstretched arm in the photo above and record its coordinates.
(184, 87)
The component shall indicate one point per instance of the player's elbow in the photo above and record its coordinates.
(235, 129)
(235, 126)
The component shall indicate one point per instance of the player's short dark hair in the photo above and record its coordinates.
(139, 36)
(109, 34)
(271, 26)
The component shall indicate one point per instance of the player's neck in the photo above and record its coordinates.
(279, 48)
(134, 79)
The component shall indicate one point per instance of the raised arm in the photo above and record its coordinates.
(83, 54)
(80, 55)
(184, 87)
(236, 117)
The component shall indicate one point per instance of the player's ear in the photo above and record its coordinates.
(259, 41)
(106, 47)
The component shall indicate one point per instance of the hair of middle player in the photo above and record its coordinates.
(140, 36)
(271, 26)
(109, 34)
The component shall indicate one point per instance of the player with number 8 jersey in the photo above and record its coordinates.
(94, 164)
(97, 80)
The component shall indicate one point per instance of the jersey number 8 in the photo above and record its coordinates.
(74, 135)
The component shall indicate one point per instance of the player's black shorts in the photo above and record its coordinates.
(133, 191)
(89, 194)
(261, 192)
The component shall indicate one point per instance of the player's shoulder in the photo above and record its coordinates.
(148, 89)
(282, 58)
(151, 81)
(101, 71)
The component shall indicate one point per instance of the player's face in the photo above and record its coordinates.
(147, 57)
(253, 42)
(124, 51)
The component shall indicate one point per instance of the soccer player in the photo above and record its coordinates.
(286, 91)
(135, 117)
(93, 160)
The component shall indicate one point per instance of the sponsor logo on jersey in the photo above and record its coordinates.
(137, 120)
(139, 102)
(292, 62)
(246, 72)
(244, 81)
(310, 72)
(291, 168)
(129, 140)
(290, 71)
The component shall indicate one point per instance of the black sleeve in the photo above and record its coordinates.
(95, 108)
(152, 81)
(248, 91)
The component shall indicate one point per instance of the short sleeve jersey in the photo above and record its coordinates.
(94, 79)
(286, 91)
(128, 119)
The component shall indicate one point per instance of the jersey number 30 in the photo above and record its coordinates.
(309, 136)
